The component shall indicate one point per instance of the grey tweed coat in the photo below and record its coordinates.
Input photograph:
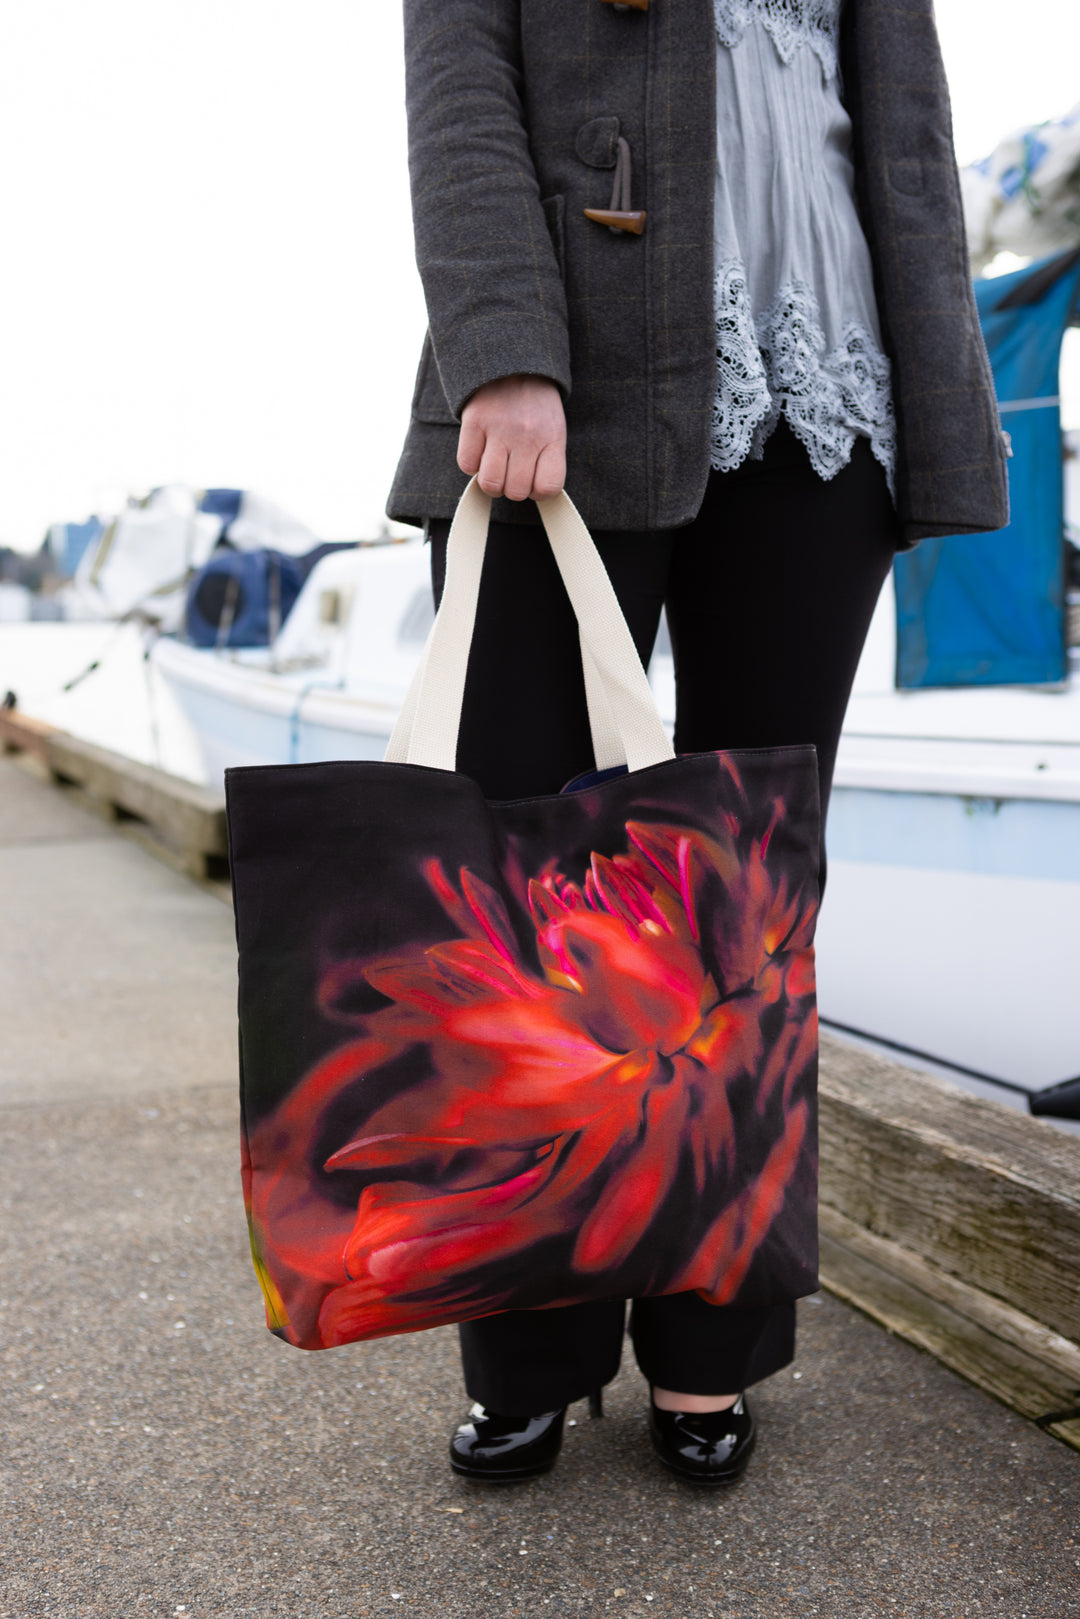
(515, 110)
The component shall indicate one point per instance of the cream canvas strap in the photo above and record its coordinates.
(626, 727)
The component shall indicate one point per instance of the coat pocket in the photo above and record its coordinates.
(429, 403)
(555, 216)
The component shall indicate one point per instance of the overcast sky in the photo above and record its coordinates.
(207, 270)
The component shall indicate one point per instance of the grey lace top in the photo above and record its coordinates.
(797, 331)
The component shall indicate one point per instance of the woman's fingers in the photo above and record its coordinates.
(520, 471)
(471, 442)
(491, 473)
(513, 438)
(550, 474)
(517, 471)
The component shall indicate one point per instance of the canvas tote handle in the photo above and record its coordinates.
(626, 727)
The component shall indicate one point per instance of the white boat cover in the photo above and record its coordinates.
(144, 558)
(1025, 197)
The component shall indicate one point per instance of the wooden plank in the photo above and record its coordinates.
(22, 733)
(955, 1223)
(1058, 1357)
(984, 1193)
(1000, 1368)
(190, 818)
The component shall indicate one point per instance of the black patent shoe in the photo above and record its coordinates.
(505, 1450)
(707, 1447)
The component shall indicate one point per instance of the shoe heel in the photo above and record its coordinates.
(596, 1403)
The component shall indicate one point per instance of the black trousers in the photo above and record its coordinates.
(769, 594)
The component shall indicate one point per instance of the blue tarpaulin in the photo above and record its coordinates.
(242, 598)
(223, 503)
(68, 542)
(988, 609)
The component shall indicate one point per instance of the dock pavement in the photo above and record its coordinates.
(162, 1454)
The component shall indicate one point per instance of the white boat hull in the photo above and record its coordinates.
(334, 684)
(951, 925)
(974, 970)
(952, 918)
(246, 715)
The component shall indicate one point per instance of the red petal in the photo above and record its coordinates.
(631, 1200)
(621, 1215)
(378, 1152)
(487, 907)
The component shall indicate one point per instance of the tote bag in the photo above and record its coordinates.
(516, 1055)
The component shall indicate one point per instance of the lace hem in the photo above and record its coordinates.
(778, 364)
(789, 23)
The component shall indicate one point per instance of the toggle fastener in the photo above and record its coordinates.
(632, 220)
(620, 216)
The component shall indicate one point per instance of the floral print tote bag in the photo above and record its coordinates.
(516, 1055)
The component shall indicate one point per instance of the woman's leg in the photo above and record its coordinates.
(685, 1346)
(525, 730)
(770, 596)
(524, 1362)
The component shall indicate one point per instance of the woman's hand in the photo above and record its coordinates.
(513, 437)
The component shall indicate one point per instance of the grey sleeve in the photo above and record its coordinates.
(952, 477)
(495, 298)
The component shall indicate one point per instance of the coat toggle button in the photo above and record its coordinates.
(632, 220)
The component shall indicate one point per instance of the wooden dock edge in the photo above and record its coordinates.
(955, 1223)
(21, 733)
(188, 818)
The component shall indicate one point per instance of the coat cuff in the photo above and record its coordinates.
(507, 344)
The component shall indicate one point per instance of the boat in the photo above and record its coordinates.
(952, 927)
(1024, 199)
(141, 562)
(331, 684)
(129, 580)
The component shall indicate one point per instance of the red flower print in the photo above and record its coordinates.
(577, 1068)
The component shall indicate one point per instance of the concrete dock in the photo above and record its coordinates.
(162, 1454)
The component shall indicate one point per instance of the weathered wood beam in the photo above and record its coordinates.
(187, 817)
(989, 1343)
(21, 733)
(955, 1222)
